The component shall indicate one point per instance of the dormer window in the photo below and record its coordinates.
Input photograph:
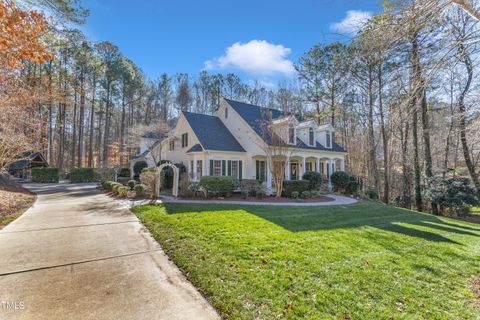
(226, 113)
(311, 136)
(291, 134)
(328, 139)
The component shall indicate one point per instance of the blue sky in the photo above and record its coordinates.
(256, 39)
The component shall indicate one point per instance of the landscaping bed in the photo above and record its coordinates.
(14, 200)
(360, 261)
(238, 197)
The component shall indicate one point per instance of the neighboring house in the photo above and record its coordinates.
(232, 142)
(23, 167)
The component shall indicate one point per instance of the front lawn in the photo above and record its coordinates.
(362, 261)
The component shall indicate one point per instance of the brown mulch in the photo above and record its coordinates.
(237, 197)
(472, 218)
(14, 200)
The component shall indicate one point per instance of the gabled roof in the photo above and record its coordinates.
(195, 148)
(212, 133)
(257, 117)
(27, 159)
(144, 153)
(153, 135)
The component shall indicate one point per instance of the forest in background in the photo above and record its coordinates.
(402, 94)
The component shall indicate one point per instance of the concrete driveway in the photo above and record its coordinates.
(76, 254)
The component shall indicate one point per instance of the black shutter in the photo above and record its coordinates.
(240, 170)
(211, 168)
(223, 167)
(257, 168)
(229, 167)
(186, 139)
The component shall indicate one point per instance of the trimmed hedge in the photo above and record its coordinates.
(340, 180)
(251, 186)
(82, 175)
(314, 178)
(219, 185)
(45, 175)
(299, 186)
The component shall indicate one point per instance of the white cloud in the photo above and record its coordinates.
(352, 23)
(257, 57)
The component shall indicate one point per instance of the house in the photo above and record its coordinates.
(22, 168)
(234, 142)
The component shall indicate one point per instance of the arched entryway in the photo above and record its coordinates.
(176, 177)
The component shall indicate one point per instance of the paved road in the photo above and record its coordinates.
(78, 255)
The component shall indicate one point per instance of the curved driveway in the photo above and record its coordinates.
(76, 254)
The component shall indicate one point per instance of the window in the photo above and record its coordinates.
(226, 113)
(199, 168)
(311, 136)
(261, 170)
(217, 167)
(291, 134)
(308, 167)
(171, 145)
(184, 140)
(328, 139)
(234, 168)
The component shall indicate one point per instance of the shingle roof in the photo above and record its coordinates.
(257, 116)
(212, 133)
(28, 157)
(144, 153)
(195, 148)
(153, 135)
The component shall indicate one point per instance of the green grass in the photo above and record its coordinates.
(475, 210)
(363, 261)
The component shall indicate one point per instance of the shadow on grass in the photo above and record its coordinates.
(299, 219)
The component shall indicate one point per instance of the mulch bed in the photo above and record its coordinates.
(237, 197)
(14, 200)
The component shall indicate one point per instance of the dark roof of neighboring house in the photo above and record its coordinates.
(195, 148)
(153, 135)
(212, 133)
(257, 117)
(26, 160)
(144, 153)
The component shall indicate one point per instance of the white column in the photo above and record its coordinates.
(342, 164)
(269, 175)
(329, 170)
(317, 164)
(206, 166)
(287, 169)
(194, 173)
(304, 168)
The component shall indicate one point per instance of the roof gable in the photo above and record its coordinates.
(212, 133)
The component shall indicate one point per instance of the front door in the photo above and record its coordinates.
(293, 170)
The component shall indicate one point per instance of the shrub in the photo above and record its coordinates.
(82, 175)
(453, 195)
(138, 168)
(314, 194)
(295, 185)
(122, 191)
(194, 187)
(340, 180)
(148, 179)
(148, 169)
(139, 190)
(251, 186)
(314, 179)
(107, 185)
(295, 194)
(184, 186)
(45, 175)
(244, 194)
(372, 193)
(260, 194)
(124, 172)
(131, 184)
(104, 174)
(116, 186)
(306, 195)
(219, 185)
(353, 186)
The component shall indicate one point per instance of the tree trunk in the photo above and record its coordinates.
(386, 185)
(107, 128)
(81, 121)
(371, 135)
(92, 121)
(74, 133)
(462, 123)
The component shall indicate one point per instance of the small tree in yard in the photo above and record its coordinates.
(453, 195)
(276, 149)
